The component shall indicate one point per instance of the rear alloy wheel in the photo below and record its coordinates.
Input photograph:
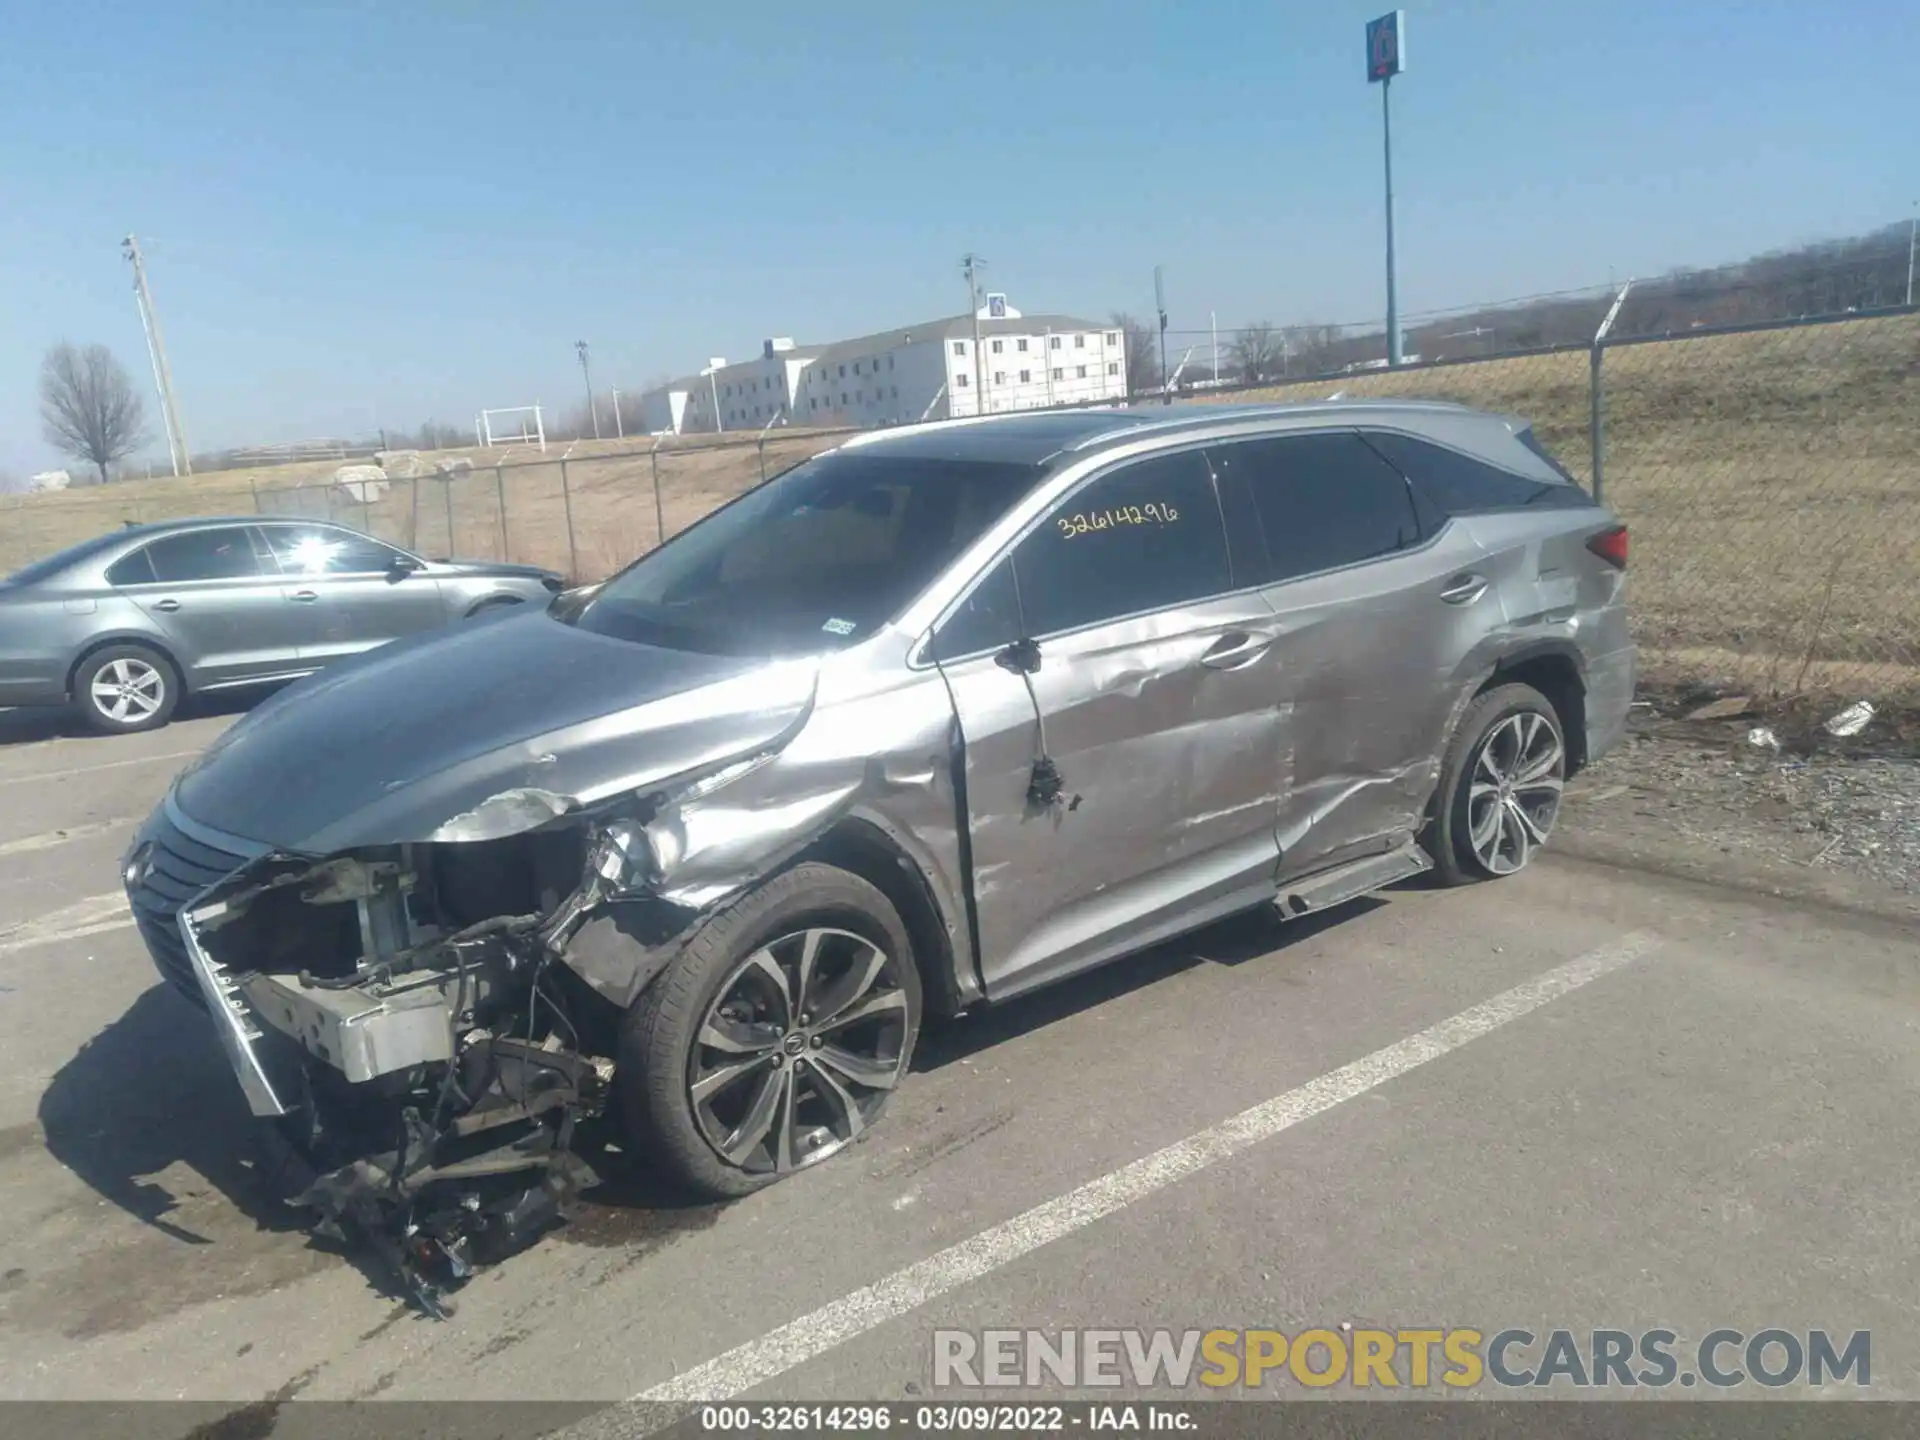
(1500, 786)
(126, 688)
(776, 1037)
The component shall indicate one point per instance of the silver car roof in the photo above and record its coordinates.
(1040, 437)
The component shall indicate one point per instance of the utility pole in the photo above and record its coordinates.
(619, 424)
(1386, 58)
(593, 410)
(970, 266)
(1213, 324)
(1911, 219)
(177, 450)
(1160, 304)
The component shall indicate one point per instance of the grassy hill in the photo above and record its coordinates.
(1771, 480)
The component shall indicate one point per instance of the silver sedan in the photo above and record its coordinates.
(123, 626)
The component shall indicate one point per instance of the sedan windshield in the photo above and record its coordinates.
(816, 559)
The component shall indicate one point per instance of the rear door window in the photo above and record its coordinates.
(1461, 485)
(1321, 501)
(223, 553)
(310, 550)
(1144, 537)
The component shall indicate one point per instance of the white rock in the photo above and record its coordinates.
(365, 483)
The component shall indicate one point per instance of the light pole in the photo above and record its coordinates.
(587, 373)
(1386, 58)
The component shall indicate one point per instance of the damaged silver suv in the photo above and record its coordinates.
(935, 718)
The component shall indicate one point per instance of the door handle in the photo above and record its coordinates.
(1464, 589)
(167, 605)
(305, 597)
(1234, 649)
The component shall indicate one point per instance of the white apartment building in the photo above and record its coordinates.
(899, 377)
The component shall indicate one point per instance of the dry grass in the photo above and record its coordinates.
(1772, 482)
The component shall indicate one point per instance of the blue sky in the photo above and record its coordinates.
(371, 214)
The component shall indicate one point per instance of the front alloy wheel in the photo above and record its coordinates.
(798, 1050)
(776, 1036)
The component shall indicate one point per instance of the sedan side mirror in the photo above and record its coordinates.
(402, 566)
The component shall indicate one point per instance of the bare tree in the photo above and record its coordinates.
(1143, 353)
(1308, 349)
(1255, 352)
(88, 408)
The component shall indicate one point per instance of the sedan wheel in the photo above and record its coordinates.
(125, 688)
(798, 1050)
(1514, 793)
(128, 691)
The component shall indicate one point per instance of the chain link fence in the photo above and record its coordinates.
(1770, 475)
(582, 514)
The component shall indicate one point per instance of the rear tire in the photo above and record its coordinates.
(775, 1038)
(1499, 789)
(124, 689)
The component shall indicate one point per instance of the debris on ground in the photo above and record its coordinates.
(1852, 720)
(1784, 790)
(1730, 708)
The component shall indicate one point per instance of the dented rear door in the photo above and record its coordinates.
(1377, 605)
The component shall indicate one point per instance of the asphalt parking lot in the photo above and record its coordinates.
(1583, 1097)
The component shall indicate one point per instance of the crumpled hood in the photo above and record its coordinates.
(480, 731)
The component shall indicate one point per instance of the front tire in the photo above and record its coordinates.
(124, 689)
(1500, 787)
(775, 1038)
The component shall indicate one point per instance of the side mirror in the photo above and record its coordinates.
(402, 566)
(1022, 657)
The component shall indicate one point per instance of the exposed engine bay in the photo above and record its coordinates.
(403, 1015)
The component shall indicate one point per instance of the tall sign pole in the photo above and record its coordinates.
(1386, 58)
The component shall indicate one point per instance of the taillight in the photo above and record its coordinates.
(1611, 546)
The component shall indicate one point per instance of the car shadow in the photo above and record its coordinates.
(1234, 941)
(31, 725)
(149, 1104)
(146, 1095)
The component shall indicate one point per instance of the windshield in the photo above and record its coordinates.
(54, 564)
(815, 559)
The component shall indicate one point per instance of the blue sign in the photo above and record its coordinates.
(996, 307)
(1386, 46)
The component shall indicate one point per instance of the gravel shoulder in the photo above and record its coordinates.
(1831, 822)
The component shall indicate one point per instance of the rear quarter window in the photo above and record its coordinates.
(134, 569)
(1459, 484)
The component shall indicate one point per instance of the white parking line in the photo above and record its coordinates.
(104, 765)
(95, 915)
(48, 839)
(731, 1374)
